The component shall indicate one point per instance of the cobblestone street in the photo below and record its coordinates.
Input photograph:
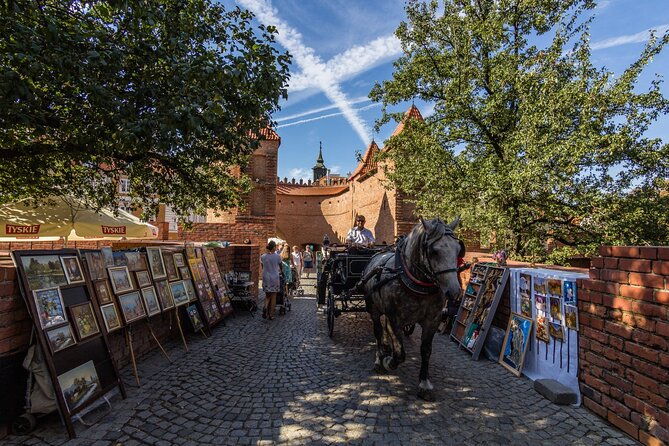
(284, 381)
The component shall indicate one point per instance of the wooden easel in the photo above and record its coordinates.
(148, 324)
(176, 315)
(128, 341)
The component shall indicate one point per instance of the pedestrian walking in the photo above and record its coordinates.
(308, 258)
(297, 262)
(271, 279)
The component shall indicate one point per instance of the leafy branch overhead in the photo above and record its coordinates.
(172, 94)
(528, 143)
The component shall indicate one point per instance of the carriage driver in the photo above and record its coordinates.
(359, 235)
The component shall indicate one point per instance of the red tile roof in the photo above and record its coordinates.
(413, 112)
(298, 190)
(367, 163)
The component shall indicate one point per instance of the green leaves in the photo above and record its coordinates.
(168, 93)
(526, 143)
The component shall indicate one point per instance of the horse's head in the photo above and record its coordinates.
(442, 249)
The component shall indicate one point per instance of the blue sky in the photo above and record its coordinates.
(341, 47)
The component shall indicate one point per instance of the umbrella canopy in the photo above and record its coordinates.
(70, 219)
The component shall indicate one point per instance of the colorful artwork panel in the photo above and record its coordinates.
(79, 385)
(50, 307)
(44, 271)
(515, 343)
(84, 320)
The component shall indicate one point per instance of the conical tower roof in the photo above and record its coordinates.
(319, 161)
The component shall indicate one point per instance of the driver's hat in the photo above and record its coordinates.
(360, 217)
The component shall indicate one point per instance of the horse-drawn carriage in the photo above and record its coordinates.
(342, 270)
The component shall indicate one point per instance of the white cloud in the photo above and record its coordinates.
(299, 173)
(639, 37)
(329, 115)
(357, 100)
(309, 62)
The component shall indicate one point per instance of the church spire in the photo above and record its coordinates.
(319, 169)
(320, 153)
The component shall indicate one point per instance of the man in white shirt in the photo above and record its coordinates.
(359, 235)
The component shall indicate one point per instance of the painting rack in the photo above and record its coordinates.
(478, 306)
(93, 349)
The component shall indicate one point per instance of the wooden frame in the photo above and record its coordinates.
(33, 262)
(132, 307)
(150, 299)
(50, 307)
(84, 320)
(179, 293)
(95, 349)
(516, 341)
(156, 262)
(95, 262)
(110, 317)
(72, 269)
(119, 276)
(143, 279)
(60, 337)
(164, 294)
(103, 291)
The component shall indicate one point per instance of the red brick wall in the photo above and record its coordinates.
(15, 322)
(255, 229)
(624, 340)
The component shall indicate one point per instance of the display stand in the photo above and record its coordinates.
(128, 343)
(66, 313)
(478, 306)
(206, 300)
(181, 332)
(221, 289)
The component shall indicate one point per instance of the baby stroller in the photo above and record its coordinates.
(294, 287)
(283, 297)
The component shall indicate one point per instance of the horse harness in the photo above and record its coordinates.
(401, 271)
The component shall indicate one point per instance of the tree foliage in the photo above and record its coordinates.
(171, 94)
(528, 142)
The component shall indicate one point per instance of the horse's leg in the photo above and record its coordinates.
(378, 334)
(425, 387)
(395, 331)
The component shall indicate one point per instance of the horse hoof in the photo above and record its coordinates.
(388, 363)
(378, 368)
(425, 395)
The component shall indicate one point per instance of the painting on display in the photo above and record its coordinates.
(185, 273)
(150, 300)
(164, 294)
(555, 287)
(526, 306)
(525, 285)
(515, 343)
(556, 331)
(541, 329)
(540, 285)
(120, 279)
(108, 256)
(72, 269)
(179, 293)
(96, 265)
(190, 290)
(170, 267)
(540, 302)
(84, 320)
(556, 309)
(50, 307)
(570, 293)
(179, 260)
(60, 337)
(571, 317)
(131, 307)
(43, 271)
(156, 262)
(103, 291)
(110, 317)
(79, 385)
(143, 279)
(135, 261)
(194, 317)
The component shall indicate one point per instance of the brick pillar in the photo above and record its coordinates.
(624, 339)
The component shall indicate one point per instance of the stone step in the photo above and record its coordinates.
(555, 391)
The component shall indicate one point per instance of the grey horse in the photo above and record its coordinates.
(412, 285)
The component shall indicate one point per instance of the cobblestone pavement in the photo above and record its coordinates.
(284, 381)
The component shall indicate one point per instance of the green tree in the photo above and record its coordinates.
(527, 142)
(170, 93)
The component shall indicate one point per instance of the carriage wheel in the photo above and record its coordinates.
(24, 424)
(330, 313)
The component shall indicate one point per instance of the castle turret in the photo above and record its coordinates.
(319, 169)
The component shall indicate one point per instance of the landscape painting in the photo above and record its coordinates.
(60, 337)
(179, 293)
(44, 271)
(79, 385)
(131, 307)
(110, 316)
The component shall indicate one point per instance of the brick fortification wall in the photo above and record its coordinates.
(624, 321)
(255, 229)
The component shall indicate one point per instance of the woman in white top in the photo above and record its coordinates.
(296, 261)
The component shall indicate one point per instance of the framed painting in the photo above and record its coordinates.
(72, 269)
(194, 270)
(526, 306)
(60, 337)
(194, 316)
(556, 330)
(84, 320)
(43, 271)
(110, 317)
(190, 250)
(143, 279)
(135, 260)
(179, 260)
(96, 265)
(571, 317)
(170, 267)
(541, 329)
(103, 291)
(120, 279)
(150, 300)
(108, 256)
(556, 309)
(156, 263)
(164, 294)
(185, 272)
(555, 287)
(50, 307)
(79, 385)
(190, 290)
(570, 293)
(540, 302)
(515, 343)
(179, 293)
(540, 285)
(525, 284)
(131, 307)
